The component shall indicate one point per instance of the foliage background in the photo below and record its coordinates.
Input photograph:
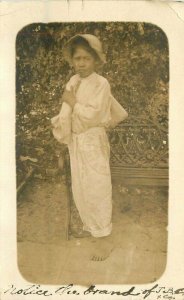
(137, 69)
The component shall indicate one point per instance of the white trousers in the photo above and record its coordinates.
(91, 180)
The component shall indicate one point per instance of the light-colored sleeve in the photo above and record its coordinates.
(68, 85)
(72, 82)
(62, 124)
(92, 114)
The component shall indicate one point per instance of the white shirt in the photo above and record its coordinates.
(95, 107)
(92, 108)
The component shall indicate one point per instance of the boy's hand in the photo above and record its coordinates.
(68, 97)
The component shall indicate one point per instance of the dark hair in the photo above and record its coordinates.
(81, 42)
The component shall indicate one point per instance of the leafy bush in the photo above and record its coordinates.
(137, 69)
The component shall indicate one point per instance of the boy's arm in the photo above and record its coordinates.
(69, 93)
(85, 116)
(69, 97)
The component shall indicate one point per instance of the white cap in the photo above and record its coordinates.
(93, 42)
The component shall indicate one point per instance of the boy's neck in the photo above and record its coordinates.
(85, 77)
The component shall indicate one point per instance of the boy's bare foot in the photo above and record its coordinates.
(80, 234)
(103, 248)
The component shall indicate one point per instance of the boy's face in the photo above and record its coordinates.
(83, 62)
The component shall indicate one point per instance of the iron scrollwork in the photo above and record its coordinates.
(139, 143)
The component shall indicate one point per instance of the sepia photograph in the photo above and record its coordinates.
(92, 102)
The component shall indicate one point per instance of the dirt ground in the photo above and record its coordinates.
(139, 231)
